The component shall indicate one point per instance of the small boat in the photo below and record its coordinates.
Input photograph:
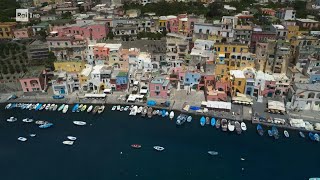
(144, 111)
(159, 112)
(121, 109)
(136, 146)
(126, 108)
(133, 111)
(218, 123)
(12, 119)
(72, 138)
(27, 120)
(301, 134)
(270, 133)
(84, 107)
(316, 137)
(61, 107)
(79, 123)
(213, 121)
(38, 107)
(231, 126)
(101, 109)
(51, 107)
(23, 139)
(207, 120)
(181, 119)
(163, 113)
(57, 96)
(286, 133)
(171, 115)
(139, 110)
(275, 132)
(189, 119)
(260, 130)
(149, 112)
(32, 135)
(95, 109)
(47, 107)
(8, 106)
(213, 153)
(89, 108)
(65, 108)
(238, 127)
(243, 126)
(43, 107)
(118, 108)
(224, 125)
(40, 122)
(55, 107)
(311, 136)
(75, 108)
(154, 112)
(113, 108)
(45, 125)
(202, 121)
(158, 148)
(68, 142)
(79, 108)
(167, 113)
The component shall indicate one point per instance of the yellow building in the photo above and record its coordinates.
(238, 82)
(230, 47)
(6, 30)
(69, 66)
(85, 75)
(293, 31)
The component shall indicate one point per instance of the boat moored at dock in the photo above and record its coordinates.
(181, 119)
(231, 126)
(149, 112)
(286, 133)
(275, 132)
(238, 127)
(302, 134)
(218, 123)
(224, 125)
(65, 109)
(101, 109)
(171, 115)
(260, 130)
(213, 121)
(75, 108)
(202, 121)
(95, 109)
(61, 107)
(243, 126)
(89, 108)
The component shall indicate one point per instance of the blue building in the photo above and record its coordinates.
(191, 79)
(122, 80)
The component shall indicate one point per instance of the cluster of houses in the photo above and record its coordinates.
(222, 58)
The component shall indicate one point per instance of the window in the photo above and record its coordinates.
(66, 43)
(233, 49)
(58, 43)
(218, 49)
(25, 83)
(157, 88)
(225, 49)
(187, 79)
(163, 88)
(239, 83)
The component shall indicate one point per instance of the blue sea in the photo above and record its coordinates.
(102, 150)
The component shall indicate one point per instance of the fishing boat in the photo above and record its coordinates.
(171, 115)
(95, 109)
(101, 109)
(61, 107)
(207, 120)
(181, 119)
(42, 107)
(12, 119)
(301, 134)
(90, 108)
(163, 113)
(286, 133)
(27, 120)
(38, 107)
(45, 125)
(311, 136)
(133, 111)
(189, 119)
(167, 113)
(224, 125)
(158, 148)
(202, 121)
(39, 122)
(113, 108)
(72, 138)
(159, 112)
(79, 123)
(22, 139)
(55, 107)
(57, 96)
(149, 112)
(84, 107)
(213, 153)
(218, 123)
(270, 133)
(75, 108)
(243, 126)
(47, 107)
(144, 111)
(121, 109)
(275, 132)
(79, 108)
(65, 108)
(231, 126)
(213, 121)
(136, 146)
(52, 107)
(29, 106)
(118, 108)
(316, 137)
(68, 142)
(238, 127)
(126, 108)
(8, 106)
(260, 130)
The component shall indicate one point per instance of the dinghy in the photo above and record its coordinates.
(75, 108)
(118, 108)
(101, 109)
(260, 130)
(79, 108)
(149, 112)
(301, 134)
(68, 142)
(316, 137)
(12, 119)
(95, 110)
(218, 123)
(126, 108)
(181, 119)
(40, 122)
(61, 107)
(45, 125)
(202, 121)
(79, 123)
(189, 119)
(231, 126)
(84, 107)
(65, 108)
(133, 111)
(238, 127)
(27, 120)
(213, 121)
(43, 107)
(22, 139)
(270, 133)
(89, 108)
(243, 126)
(286, 133)
(224, 125)
(72, 138)
(275, 132)
(158, 148)
(213, 153)
(136, 146)
(55, 107)
(32, 135)
(113, 108)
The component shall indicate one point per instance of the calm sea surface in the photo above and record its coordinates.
(96, 154)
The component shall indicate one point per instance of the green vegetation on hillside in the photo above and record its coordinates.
(8, 10)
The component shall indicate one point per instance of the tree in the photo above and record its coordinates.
(66, 15)
(49, 63)
(11, 69)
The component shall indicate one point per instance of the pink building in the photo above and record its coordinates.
(101, 51)
(23, 33)
(94, 31)
(172, 24)
(159, 88)
(217, 92)
(186, 24)
(34, 82)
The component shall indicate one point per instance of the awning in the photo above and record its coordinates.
(136, 83)
(107, 90)
(143, 91)
(95, 95)
(219, 105)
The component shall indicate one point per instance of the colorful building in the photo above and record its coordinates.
(23, 33)
(238, 82)
(7, 30)
(94, 31)
(192, 79)
(122, 81)
(69, 66)
(159, 88)
(34, 81)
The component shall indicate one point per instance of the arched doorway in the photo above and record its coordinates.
(101, 88)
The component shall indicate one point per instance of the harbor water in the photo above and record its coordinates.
(102, 150)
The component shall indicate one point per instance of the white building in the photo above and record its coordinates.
(304, 97)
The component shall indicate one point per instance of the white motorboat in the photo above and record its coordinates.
(12, 119)
(121, 109)
(43, 107)
(8, 106)
(114, 108)
(72, 138)
(68, 142)
(171, 116)
(118, 108)
(243, 126)
(65, 108)
(133, 111)
(101, 109)
(126, 108)
(231, 126)
(51, 107)
(139, 109)
(29, 105)
(158, 148)
(27, 120)
(167, 113)
(23, 139)
(40, 122)
(286, 133)
(55, 107)
(90, 108)
(47, 107)
(32, 135)
(79, 123)
(213, 153)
